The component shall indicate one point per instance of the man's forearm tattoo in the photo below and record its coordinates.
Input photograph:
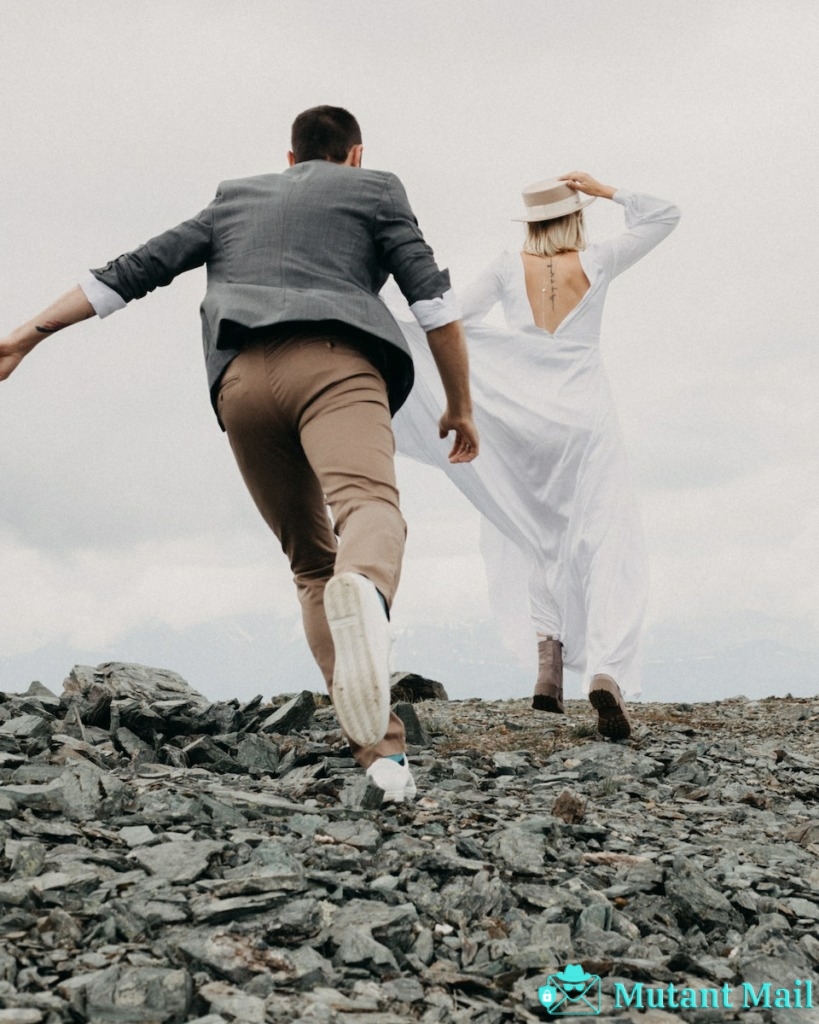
(50, 326)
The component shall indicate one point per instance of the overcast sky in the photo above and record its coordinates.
(120, 507)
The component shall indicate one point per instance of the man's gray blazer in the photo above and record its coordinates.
(314, 243)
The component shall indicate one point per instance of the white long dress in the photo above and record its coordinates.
(552, 478)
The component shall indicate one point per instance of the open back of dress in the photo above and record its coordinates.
(552, 480)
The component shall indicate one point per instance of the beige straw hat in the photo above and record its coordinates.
(545, 200)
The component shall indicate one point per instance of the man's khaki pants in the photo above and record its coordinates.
(309, 424)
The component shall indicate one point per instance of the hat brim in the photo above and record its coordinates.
(553, 210)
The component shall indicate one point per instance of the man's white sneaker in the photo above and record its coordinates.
(394, 778)
(361, 637)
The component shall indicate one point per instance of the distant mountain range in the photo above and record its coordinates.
(243, 657)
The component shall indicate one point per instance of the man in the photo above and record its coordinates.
(305, 367)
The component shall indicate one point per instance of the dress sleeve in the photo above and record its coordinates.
(648, 221)
(160, 260)
(485, 291)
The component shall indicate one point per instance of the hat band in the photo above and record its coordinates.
(552, 210)
(539, 201)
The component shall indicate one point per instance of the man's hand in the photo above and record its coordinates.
(448, 347)
(466, 445)
(68, 309)
(10, 357)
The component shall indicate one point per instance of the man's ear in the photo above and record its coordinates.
(290, 158)
(354, 156)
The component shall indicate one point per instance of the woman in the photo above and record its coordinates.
(552, 478)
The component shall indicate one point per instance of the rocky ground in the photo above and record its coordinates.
(163, 858)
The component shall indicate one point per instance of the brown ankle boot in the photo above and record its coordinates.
(549, 686)
(607, 701)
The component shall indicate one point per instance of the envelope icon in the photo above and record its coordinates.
(577, 993)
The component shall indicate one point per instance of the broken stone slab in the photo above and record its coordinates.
(139, 682)
(268, 802)
(257, 753)
(413, 688)
(208, 753)
(139, 994)
(417, 735)
(295, 714)
(695, 901)
(233, 957)
(298, 921)
(358, 948)
(138, 835)
(361, 834)
(298, 781)
(25, 727)
(44, 797)
(81, 791)
(182, 861)
(27, 858)
(137, 749)
(221, 717)
(802, 908)
(392, 926)
(253, 879)
(360, 793)
(145, 720)
(12, 760)
(86, 792)
(521, 851)
(206, 909)
(21, 1015)
(232, 1003)
(46, 697)
(805, 834)
(464, 901)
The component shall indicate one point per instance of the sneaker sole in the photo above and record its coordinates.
(361, 678)
(612, 721)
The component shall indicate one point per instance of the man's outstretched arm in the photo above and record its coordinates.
(68, 309)
(448, 347)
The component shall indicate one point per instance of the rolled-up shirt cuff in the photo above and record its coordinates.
(432, 313)
(104, 299)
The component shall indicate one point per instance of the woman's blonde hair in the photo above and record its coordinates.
(562, 234)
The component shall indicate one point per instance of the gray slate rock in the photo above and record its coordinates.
(295, 714)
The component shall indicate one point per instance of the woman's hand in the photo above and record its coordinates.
(580, 181)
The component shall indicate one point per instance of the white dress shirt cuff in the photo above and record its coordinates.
(104, 299)
(432, 313)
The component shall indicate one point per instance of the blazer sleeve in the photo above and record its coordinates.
(648, 221)
(402, 249)
(160, 260)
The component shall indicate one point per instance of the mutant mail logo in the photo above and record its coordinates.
(571, 993)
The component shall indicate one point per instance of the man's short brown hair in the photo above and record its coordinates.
(324, 133)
